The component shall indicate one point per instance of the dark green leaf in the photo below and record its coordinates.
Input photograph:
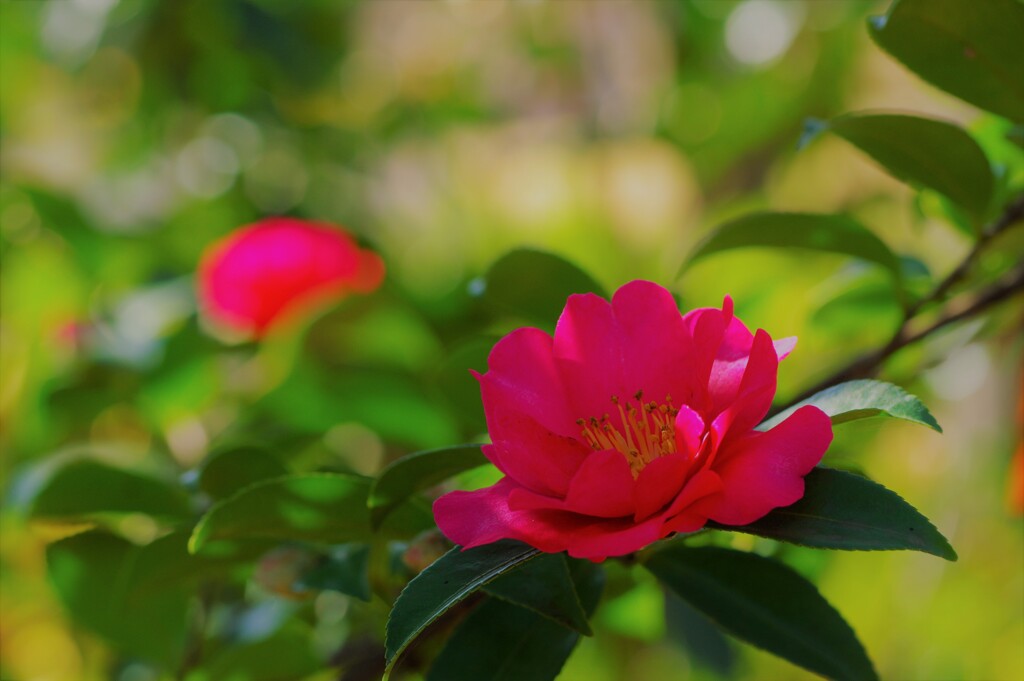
(970, 49)
(96, 577)
(534, 285)
(544, 586)
(767, 604)
(448, 581)
(416, 472)
(319, 507)
(229, 470)
(343, 570)
(845, 511)
(502, 642)
(703, 642)
(863, 399)
(926, 153)
(819, 232)
(83, 487)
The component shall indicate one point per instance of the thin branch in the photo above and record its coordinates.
(1010, 285)
(867, 365)
(1010, 216)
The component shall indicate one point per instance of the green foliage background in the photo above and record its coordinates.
(444, 134)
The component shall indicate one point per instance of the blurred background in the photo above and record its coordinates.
(443, 134)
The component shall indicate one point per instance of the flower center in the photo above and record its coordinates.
(647, 430)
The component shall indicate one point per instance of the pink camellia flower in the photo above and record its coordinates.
(280, 268)
(632, 423)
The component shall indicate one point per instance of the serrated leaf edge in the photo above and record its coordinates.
(575, 597)
(824, 600)
(490, 575)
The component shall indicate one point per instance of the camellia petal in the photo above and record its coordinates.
(265, 274)
(754, 395)
(587, 337)
(632, 423)
(650, 358)
(522, 371)
(658, 484)
(763, 471)
(601, 488)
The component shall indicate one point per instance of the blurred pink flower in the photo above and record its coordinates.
(632, 423)
(279, 269)
(1015, 481)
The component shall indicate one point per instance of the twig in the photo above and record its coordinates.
(867, 365)
(1013, 212)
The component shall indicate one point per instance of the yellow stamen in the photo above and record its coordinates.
(638, 439)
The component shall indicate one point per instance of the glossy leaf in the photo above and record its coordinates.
(502, 642)
(230, 470)
(767, 604)
(703, 642)
(444, 584)
(95, 576)
(544, 585)
(863, 399)
(534, 285)
(421, 470)
(819, 232)
(845, 511)
(343, 570)
(926, 153)
(970, 49)
(83, 487)
(319, 507)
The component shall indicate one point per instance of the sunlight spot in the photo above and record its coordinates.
(359, 446)
(759, 31)
(187, 441)
(962, 374)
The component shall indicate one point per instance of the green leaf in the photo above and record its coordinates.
(95, 576)
(421, 470)
(459, 386)
(845, 511)
(818, 232)
(286, 654)
(502, 642)
(767, 604)
(698, 636)
(229, 470)
(544, 585)
(926, 153)
(843, 316)
(534, 285)
(166, 563)
(970, 49)
(391, 404)
(344, 570)
(83, 487)
(318, 507)
(449, 580)
(863, 399)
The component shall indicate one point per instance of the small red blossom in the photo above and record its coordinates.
(633, 422)
(1015, 479)
(280, 269)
